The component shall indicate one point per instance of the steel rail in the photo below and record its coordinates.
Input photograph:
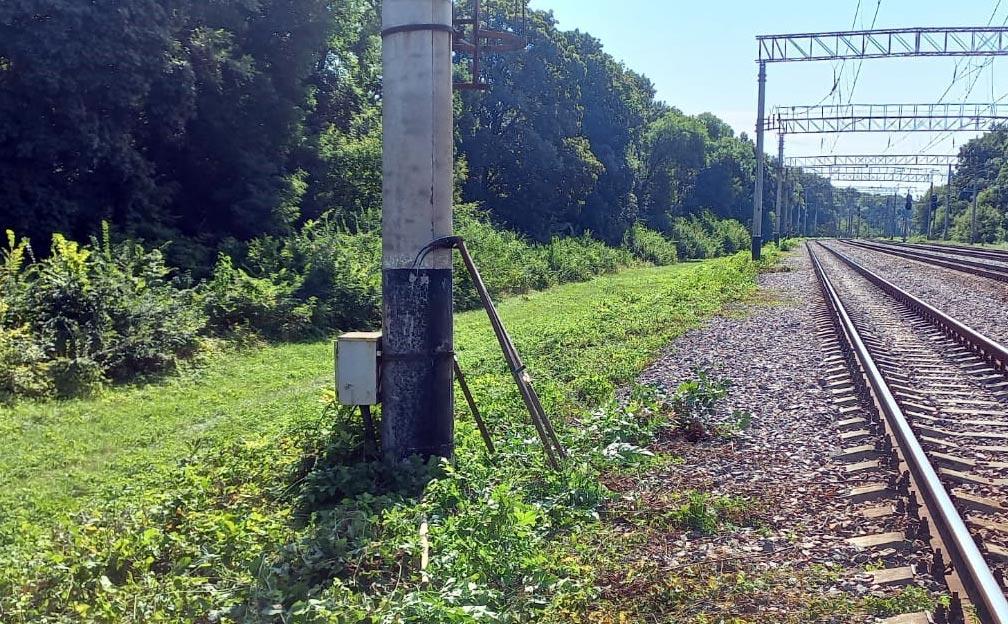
(989, 349)
(956, 264)
(968, 562)
(1000, 255)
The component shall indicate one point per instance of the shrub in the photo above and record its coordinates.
(90, 313)
(692, 241)
(507, 263)
(731, 235)
(317, 281)
(705, 236)
(236, 302)
(650, 246)
(511, 265)
(580, 259)
(23, 367)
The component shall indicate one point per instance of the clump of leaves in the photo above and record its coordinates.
(705, 512)
(694, 405)
(910, 600)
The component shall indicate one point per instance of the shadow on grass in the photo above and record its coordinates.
(348, 505)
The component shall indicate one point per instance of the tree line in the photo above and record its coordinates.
(211, 123)
(207, 122)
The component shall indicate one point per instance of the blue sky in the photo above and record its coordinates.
(701, 57)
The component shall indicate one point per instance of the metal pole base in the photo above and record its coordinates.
(757, 247)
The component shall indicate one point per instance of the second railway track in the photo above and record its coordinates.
(992, 265)
(941, 394)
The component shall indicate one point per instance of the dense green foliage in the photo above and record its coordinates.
(981, 174)
(214, 123)
(86, 314)
(254, 505)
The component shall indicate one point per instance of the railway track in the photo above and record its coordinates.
(999, 255)
(995, 268)
(939, 438)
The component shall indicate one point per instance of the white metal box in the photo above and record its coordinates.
(357, 367)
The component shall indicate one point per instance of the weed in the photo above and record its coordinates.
(694, 405)
(706, 513)
(909, 600)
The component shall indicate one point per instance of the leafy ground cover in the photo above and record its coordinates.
(241, 494)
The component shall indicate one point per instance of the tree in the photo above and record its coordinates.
(166, 117)
(676, 148)
(529, 161)
(990, 222)
(84, 88)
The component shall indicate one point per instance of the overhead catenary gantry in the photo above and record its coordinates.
(825, 119)
(859, 45)
(878, 190)
(877, 174)
(872, 160)
(883, 43)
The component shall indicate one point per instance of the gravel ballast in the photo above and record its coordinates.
(976, 301)
(770, 351)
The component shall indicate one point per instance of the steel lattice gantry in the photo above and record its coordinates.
(868, 44)
(877, 174)
(886, 43)
(832, 118)
(872, 160)
(877, 190)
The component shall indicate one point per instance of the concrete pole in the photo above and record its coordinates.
(887, 229)
(948, 203)
(418, 161)
(815, 220)
(930, 202)
(895, 211)
(907, 212)
(976, 195)
(757, 221)
(780, 188)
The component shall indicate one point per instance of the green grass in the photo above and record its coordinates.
(236, 491)
(55, 455)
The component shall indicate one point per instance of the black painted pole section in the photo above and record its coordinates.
(757, 221)
(417, 345)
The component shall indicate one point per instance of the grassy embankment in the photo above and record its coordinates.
(236, 492)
